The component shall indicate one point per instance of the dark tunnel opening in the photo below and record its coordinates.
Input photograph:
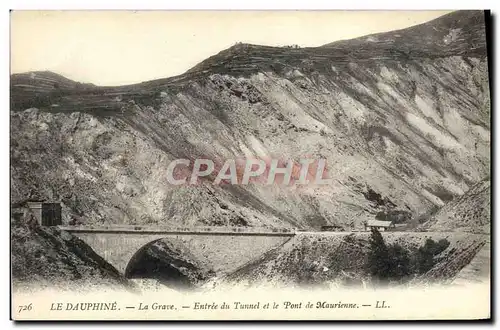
(151, 267)
(169, 266)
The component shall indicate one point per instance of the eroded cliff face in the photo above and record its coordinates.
(470, 212)
(400, 130)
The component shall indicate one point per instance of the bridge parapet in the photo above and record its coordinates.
(131, 229)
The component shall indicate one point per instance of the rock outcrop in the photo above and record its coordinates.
(48, 257)
(470, 212)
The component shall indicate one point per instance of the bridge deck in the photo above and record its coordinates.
(233, 231)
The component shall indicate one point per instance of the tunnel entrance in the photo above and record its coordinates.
(170, 266)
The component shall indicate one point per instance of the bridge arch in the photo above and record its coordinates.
(169, 264)
(221, 251)
(129, 270)
(135, 256)
(116, 248)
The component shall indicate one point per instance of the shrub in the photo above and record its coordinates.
(398, 262)
(395, 263)
(378, 256)
(425, 258)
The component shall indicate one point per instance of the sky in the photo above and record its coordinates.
(125, 47)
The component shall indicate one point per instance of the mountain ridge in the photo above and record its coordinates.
(472, 17)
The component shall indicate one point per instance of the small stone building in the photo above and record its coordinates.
(47, 214)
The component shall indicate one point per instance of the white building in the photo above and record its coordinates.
(379, 224)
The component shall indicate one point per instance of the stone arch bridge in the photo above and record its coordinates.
(227, 248)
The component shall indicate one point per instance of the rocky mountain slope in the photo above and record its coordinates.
(469, 212)
(340, 259)
(403, 119)
(47, 257)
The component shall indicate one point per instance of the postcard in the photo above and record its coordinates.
(250, 165)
